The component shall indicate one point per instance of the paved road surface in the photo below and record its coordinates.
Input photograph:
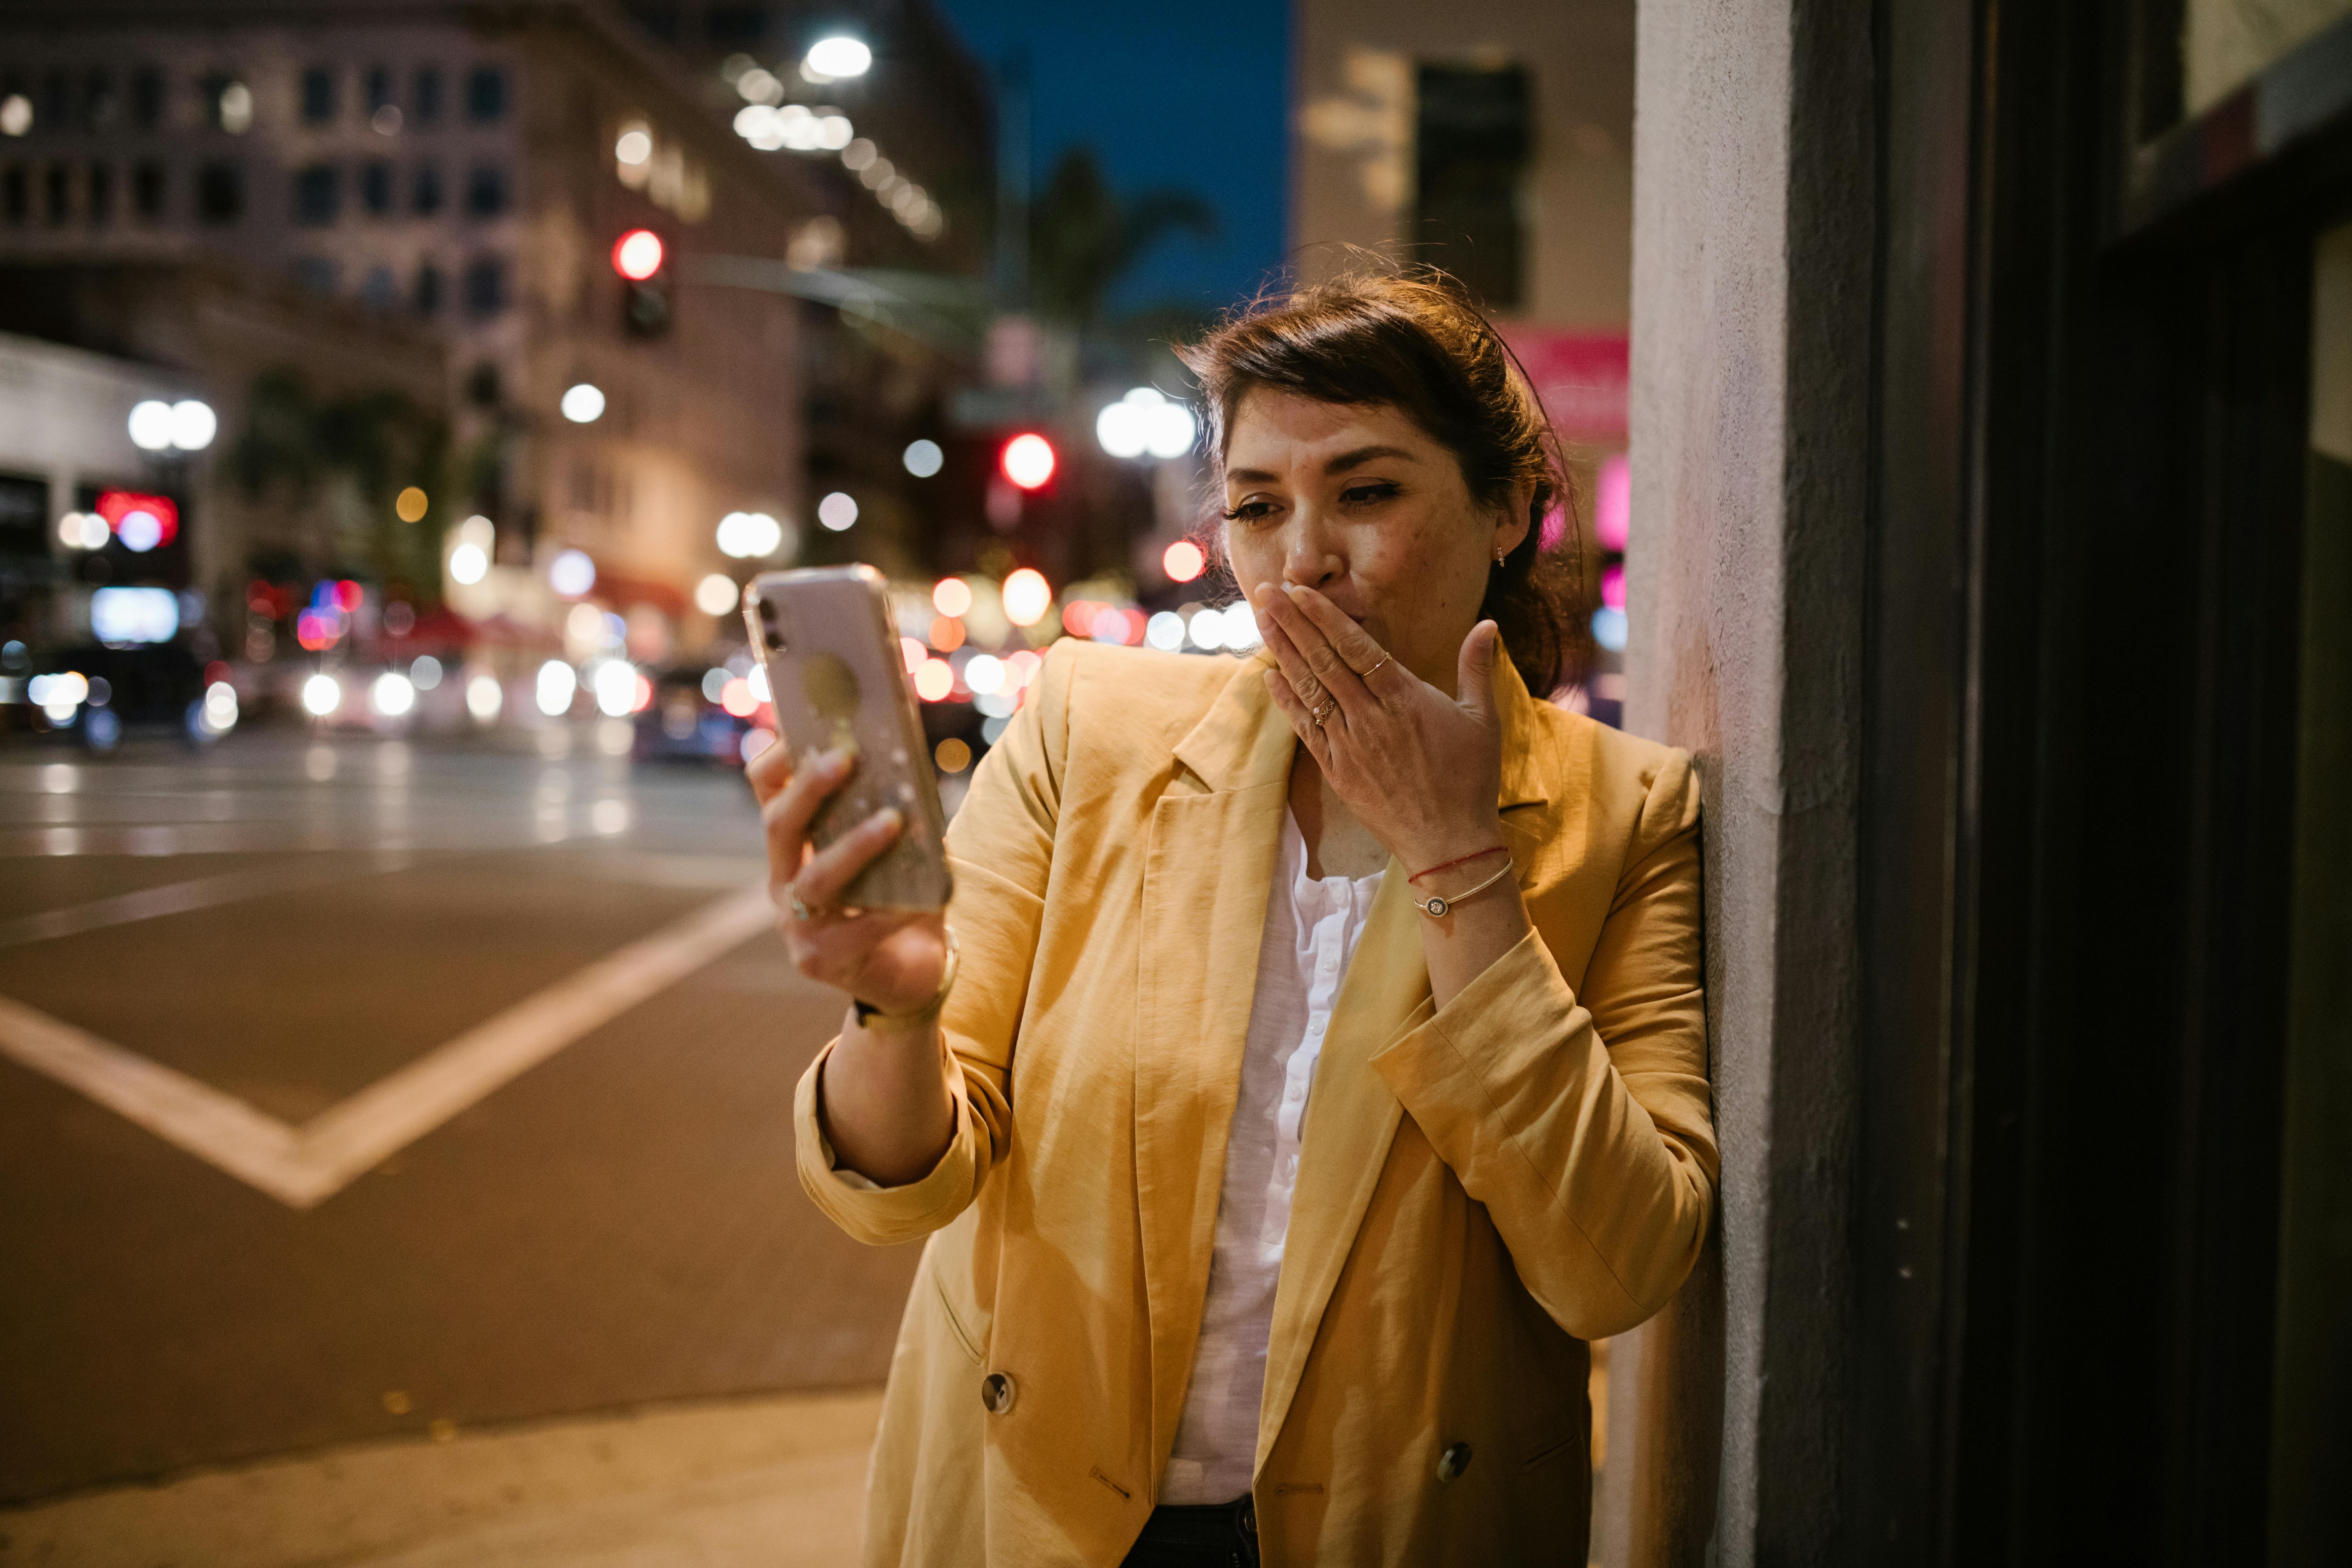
(351, 1088)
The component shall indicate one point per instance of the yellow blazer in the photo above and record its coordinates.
(1481, 1188)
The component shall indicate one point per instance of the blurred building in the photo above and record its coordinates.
(464, 169)
(1494, 141)
(908, 197)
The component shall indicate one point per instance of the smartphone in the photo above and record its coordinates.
(835, 675)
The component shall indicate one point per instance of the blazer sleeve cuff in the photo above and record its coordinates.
(879, 1215)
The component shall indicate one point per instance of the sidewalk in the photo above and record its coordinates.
(773, 1482)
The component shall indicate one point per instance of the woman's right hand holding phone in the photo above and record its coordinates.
(886, 1102)
(892, 960)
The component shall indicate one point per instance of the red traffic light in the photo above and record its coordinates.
(637, 255)
(1027, 460)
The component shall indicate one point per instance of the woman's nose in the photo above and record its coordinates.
(1310, 561)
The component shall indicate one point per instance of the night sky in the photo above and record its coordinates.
(1194, 94)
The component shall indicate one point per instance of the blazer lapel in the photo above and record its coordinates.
(1351, 1115)
(1207, 872)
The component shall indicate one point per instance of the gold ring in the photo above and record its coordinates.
(1330, 706)
(1375, 670)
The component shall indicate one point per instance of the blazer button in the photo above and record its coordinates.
(998, 1391)
(1453, 1461)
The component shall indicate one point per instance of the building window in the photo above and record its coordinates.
(1470, 149)
(318, 195)
(486, 192)
(485, 286)
(428, 188)
(220, 193)
(99, 101)
(319, 95)
(102, 195)
(16, 193)
(315, 273)
(147, 98)
(147, 190)
(59, 194)
(378, 291)
(482, 384)
(379, 89)
(376, 187)
(428, 288)
(56, 98)
(485, 93)
(428, 94)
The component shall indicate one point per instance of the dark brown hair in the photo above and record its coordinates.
(1412, 341)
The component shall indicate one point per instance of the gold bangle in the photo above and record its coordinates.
(869, 1014)
(1437, 909)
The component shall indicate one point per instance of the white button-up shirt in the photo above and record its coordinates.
(1311, 927)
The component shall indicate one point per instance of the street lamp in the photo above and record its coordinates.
(187, 425)
(830, 59)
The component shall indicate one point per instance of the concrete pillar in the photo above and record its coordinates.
(1749, 420)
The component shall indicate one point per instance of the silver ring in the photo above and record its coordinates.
(801, 912)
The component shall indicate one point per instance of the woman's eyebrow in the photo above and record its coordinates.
(1362, 455)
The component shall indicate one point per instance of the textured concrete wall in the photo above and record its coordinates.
(1753, 137)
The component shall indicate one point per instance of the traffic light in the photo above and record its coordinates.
(1027, 460)
(640, 258)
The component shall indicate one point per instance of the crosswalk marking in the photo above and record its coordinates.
(301, 1167)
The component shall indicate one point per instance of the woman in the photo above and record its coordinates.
(1319, 1059)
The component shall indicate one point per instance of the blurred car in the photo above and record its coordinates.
(686, 720)
(99, 693)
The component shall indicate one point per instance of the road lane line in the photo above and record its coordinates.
(179, 898)
(303, 1167)
(217, 1128)
(355, 1136)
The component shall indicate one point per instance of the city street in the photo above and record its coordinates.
(355, 1089)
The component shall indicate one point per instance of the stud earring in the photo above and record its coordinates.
(1498, 555)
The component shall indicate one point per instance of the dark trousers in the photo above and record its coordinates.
(1198, 1535)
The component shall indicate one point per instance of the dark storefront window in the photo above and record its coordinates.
(485, 286)
(428, 95)
(428, 188)
(147, 98)
(59, 192)
(220, 193)
(102, 195)
(16, 193)
(378, 291)
(319, 95)
(56, 98)
(379, 87)
(486, 192)
(485, 94)
(376, 187)
(24, 517)
(318, 195)
(148, 190)
(428, 288)
(1471, 144)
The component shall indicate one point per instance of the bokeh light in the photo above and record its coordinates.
(924, 458)
(952, 756)
(1184, 561)
(716, 593)
(321, 695)
(951, 596)
(1027, 596)
(1028, 460)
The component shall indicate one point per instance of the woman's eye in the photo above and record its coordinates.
(1368, 495)
(1251, 510)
